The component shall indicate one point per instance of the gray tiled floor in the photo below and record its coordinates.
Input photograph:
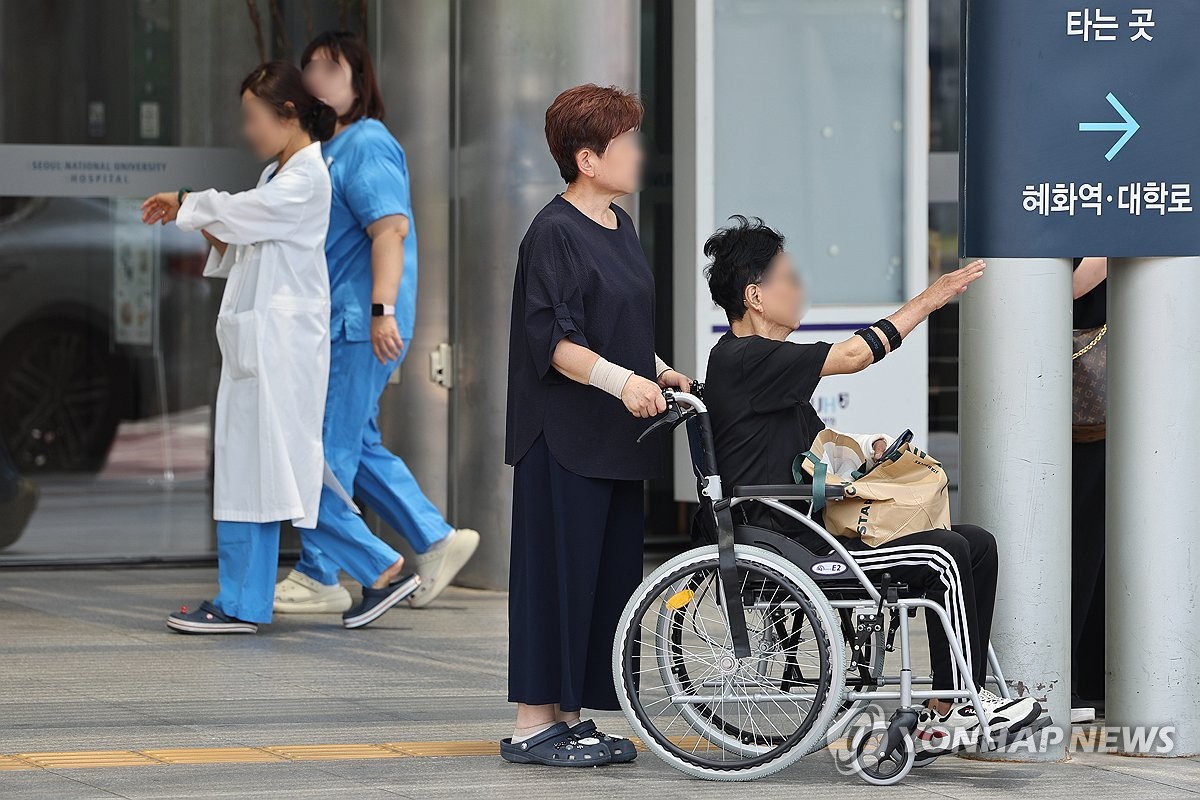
(86, 664)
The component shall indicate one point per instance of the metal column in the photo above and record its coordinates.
(1015, 439)
(1153, 489)
(467, 85)
(511, 60)
(413, 64)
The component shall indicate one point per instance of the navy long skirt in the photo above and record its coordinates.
(576, 561)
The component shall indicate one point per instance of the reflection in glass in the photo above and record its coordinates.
(108, 359)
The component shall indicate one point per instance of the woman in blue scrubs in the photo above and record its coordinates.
(371, 249)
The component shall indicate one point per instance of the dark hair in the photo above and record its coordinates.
(278, 83)
(741, 254)
(368, 102)
(588, 116)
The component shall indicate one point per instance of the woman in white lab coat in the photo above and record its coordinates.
(273, 332)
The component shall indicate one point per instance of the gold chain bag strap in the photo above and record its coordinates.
(1089, 362)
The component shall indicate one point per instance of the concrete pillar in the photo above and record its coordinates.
(1015, 441)
(1153, 490)
(412, 60)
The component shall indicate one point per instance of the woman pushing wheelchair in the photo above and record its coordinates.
(758, 389)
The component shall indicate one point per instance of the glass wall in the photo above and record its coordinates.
(108, 361)
(792, 150)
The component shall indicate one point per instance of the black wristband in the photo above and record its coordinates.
(179, 195)
(889, 330)
(873, 341)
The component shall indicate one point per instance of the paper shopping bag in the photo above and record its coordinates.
(906, 493)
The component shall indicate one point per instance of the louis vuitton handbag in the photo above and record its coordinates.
(1089, 365)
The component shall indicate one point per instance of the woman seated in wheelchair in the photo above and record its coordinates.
(758, 389)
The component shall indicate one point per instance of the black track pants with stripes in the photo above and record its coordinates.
(956, 568)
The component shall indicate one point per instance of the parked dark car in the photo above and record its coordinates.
(65, 381)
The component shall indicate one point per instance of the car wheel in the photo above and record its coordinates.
(59, 396)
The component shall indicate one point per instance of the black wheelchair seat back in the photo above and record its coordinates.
(818, 560)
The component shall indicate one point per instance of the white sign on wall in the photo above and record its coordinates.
(61, 170)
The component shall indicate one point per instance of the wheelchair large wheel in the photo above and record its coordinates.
(693, 702)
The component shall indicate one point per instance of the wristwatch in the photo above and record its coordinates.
(382, 310)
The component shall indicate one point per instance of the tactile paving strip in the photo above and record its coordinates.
(446, 748)
(88, 758)
(270, 754)
(334, 752)
(212, 755)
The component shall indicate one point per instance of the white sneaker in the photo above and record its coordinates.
(1012, 714)
(938, 736)
(438, 567)
(300, 594)
(1082, 715)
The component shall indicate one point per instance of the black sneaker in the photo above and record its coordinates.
(377, 601)
(208, 619)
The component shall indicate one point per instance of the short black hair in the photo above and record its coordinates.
(740, 255)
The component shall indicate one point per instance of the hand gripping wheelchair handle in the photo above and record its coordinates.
(673, 416)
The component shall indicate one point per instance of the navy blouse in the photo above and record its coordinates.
(578, 279)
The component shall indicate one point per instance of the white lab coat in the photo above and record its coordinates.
(273, 331)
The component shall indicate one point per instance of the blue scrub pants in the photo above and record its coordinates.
(248, 561)
(355, 452)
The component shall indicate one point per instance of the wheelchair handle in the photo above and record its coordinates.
(672, 417)
(680, 405)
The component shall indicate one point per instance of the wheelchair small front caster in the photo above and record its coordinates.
(883, 770)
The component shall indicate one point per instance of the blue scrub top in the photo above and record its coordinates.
(370, 181)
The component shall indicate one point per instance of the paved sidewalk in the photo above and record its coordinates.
(91, 675)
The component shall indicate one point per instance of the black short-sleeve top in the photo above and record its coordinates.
(578, 279)
(1090, 310)
(759, 397)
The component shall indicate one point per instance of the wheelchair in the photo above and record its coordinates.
(737, 658)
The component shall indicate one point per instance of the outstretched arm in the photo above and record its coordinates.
(854, 354)
(268, 212)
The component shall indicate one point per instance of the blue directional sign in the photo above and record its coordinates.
(1080, 128)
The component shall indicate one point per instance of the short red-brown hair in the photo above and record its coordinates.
(590, 117)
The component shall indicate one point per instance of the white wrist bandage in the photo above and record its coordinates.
(609, 376)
